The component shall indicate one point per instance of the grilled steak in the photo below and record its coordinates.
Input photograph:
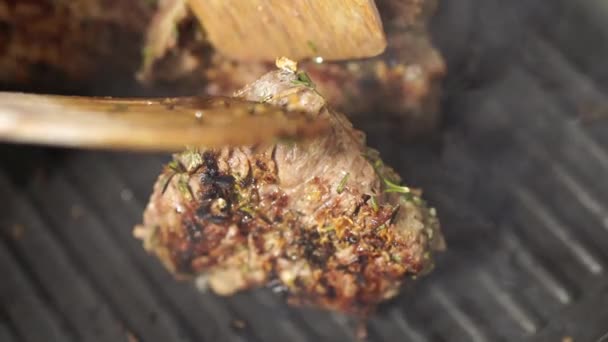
(323, 221)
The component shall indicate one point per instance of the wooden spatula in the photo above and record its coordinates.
(265, 29)
(153, 124)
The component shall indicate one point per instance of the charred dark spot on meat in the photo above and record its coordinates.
(323, 222)
(210, 165)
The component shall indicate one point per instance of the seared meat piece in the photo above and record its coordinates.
(321, 220)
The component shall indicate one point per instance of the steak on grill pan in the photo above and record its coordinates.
(323, 220)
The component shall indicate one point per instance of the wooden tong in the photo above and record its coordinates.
(153, 124)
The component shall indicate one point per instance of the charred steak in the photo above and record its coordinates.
(322, 220)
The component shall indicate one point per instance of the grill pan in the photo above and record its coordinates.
(518, 173)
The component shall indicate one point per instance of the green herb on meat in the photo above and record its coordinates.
(374, 203)
(342, 184)
(302, 78)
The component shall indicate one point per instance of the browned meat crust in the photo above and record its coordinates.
(318, 220)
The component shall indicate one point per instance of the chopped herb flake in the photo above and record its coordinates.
(184, 187)
(248, 210)
(176, 166)
(392, 187)
(192, 159)
(342, 184)
(374, 203)
(302, 78)
(326, 229)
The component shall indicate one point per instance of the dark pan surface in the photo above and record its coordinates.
(519, 175)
